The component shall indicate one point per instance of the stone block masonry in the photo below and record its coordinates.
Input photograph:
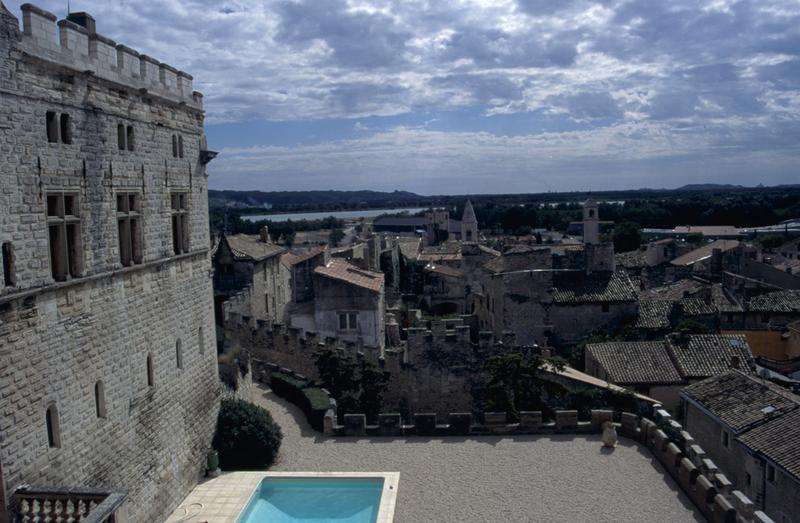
(108, 374)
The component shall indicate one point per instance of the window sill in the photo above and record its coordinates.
(60, 285)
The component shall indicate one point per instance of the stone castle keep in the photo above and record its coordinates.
(108, 373)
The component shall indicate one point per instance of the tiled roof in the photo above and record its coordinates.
(445, 270)
(635, 362)
(778, 440)
(697, 307)
(674, 291)
(737, 399)
(704, 355)
(778, 301)
(520, 258)
(723, 300)
(690, 258)
(654, 314)
(246, 246)
(449, 251)
(294, 259)
(577, 287)
(631, 259)
(341, 270)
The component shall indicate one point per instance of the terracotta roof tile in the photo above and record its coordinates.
(778, 301)
(704, 355)
(654, 314)
(247, 246)
(341, 270)
(778, 441)
(577, 287)
(737, 399)
(635, 362)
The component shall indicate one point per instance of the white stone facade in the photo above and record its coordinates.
(104, 321)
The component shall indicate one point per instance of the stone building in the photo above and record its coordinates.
(248, 261)
(106, 314)
(750, 429)
(349, 304)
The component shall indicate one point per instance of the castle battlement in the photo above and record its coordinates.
(79, 47)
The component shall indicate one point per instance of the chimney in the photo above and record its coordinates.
(264, 234)
(83, 19)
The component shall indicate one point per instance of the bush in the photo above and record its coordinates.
(246, 437)
(311, 400)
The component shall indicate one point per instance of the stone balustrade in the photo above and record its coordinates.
(62, 505)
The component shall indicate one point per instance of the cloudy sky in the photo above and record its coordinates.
(481, 96)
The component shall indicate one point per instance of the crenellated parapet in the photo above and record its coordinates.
(73, 43)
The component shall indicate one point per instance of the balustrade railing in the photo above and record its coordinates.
(66, 505)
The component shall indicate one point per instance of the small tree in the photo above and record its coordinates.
(336, 236)
(627, 237)
(247, 437)
(357, 387)
(514, 384)
(694, 237)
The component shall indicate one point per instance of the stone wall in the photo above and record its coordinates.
(59, 340)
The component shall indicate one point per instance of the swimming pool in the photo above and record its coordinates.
(322, 498)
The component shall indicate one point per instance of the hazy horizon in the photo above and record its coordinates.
(481, 96)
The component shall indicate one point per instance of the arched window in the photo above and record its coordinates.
(100, 399)
(178, 354)
(150, 379)
(201, 340)
(53, 428)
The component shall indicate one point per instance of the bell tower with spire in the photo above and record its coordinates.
(469, 224)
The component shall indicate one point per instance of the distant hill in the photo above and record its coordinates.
(306, 199)
(708, 187)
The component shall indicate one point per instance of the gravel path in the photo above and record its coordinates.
(494, 479)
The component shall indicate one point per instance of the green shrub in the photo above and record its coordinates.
(246, 437)
(312, 400)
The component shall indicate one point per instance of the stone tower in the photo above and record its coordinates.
(591, 223)
(469, 224)
(107, 338)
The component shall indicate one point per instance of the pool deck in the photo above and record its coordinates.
(547, 478)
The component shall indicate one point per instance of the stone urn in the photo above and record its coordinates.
(609, 435)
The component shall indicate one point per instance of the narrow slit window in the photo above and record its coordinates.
(201, 340)
(178, 354)
(66, 131)
(53, 428)
(52, 127)
(100, 399)
(180, 146)
(8, 264)
(150, 378)
(121, 137)
(64, 233)
(174, 146)
(129, 136)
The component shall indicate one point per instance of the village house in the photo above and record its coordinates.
(660, 369)
(749, 427)
(110, 387)
(243, 261)
(349, 304)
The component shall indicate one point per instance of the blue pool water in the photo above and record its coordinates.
(315, 500)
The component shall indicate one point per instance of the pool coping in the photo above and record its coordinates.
(224, 499)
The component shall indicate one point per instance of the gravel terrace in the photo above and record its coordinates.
(560, 478)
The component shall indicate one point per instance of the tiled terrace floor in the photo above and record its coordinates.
(539, 479)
